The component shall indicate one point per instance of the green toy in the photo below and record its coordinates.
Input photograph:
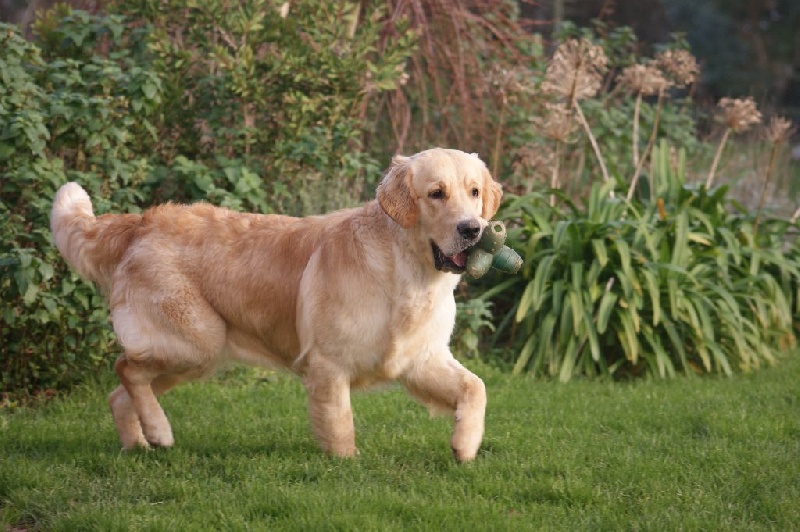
(491, 252)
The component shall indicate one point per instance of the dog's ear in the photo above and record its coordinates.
(395, 195)
(492, 194)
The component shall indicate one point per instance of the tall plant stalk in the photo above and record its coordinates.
(636, 109)
(554, 179)
(772, 156)
(717, 157)
(778, 131)
(498, 138)
(650, 143)
(595, 146)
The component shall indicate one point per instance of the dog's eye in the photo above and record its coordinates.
(475, 192)
(436, 194)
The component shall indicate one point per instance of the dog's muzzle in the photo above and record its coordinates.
(469, 232)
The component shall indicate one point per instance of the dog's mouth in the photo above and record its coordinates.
(449, 263)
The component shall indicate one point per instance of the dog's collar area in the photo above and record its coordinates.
(454, 264)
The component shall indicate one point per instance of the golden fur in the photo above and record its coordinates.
(345, 300)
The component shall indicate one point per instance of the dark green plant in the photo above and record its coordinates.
(675, 285)
(254, 93)
(62, 118)
(473, 322)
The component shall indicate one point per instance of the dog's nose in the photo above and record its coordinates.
(469, 229)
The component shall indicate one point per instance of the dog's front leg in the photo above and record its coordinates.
(329, 409)
(442, 384)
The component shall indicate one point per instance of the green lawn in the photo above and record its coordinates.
(693, 454)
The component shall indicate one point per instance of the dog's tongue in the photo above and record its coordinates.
(459, 259)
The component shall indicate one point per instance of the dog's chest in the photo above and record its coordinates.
(421, 324)
(422, 313)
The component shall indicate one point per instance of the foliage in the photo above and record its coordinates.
(62, 118)
(676, 284)
(645, 274)
(473, 320)
(264, 104)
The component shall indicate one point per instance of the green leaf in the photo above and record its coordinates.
(600, 251)
(605, 311)
(540, 280)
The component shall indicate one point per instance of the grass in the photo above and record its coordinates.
(692, 454)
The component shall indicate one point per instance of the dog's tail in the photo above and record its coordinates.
(92, 246)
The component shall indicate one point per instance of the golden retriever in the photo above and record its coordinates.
(345, 300)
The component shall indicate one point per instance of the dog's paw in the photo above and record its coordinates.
(462, 455)
(135, 442)
(161, 437)
(344, 452)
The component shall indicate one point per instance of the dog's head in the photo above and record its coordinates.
(447, 195)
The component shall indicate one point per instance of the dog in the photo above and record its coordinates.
(345, 300)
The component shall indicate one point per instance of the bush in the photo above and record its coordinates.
(61, 118)
(262, 104)
(679, 284)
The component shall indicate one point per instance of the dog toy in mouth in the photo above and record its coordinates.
(491, 252)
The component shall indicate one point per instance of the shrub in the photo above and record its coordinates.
(61, 118)
(621, 288)
(640, 273)
(261, 103)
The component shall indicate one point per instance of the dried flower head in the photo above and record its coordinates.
(558, 123)
(739, 114)
(643, 79)
(679, 65)
(778, 130)
(512, 80)
(576, 70)
(534, 162)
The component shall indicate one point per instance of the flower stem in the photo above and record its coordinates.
(650, 143)
(773, 154)
(554, 181)
(636, 129)
(713, 170)
(498, 137)
(795, 216)
(595, 147)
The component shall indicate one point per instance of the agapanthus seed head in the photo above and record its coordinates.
(739, 113)
(576, 70)
(778, 130)
(558, 123)
(643, 79)
(509, 79)
(679, 65)
(536, 162)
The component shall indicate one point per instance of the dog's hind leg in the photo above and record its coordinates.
(442, 384)
(126, 419)
(137, 378)
(185, 344)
